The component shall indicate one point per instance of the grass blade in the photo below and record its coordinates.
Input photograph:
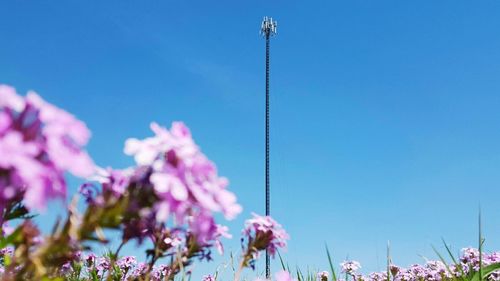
(330, 262)
(480, 247)
(388, 261)
(281, 261)
(457, 265)
(445, 264)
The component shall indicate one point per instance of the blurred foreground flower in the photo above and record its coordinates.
(261, 233)
(284, 276)
(170, 197)
(38, 144)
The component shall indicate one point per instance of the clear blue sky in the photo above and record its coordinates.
(385, 114)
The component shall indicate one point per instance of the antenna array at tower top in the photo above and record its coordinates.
(268, 26)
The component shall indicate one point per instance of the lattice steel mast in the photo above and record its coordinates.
(267, 29)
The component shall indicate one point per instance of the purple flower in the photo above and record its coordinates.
(5, 122)
(9, 251)
(66, 268)
(174, 183)
(90, 259)
(103, 264)
(208, 278)
(23, 169)
(204, 228)
(38, 143)
(263, 232)
(470, 258)
(432, 270)
(139, 270)
(113, 181)
(491, 258)
(323, 276)
(64, 136)
(350, 267)
(182, 175)
(9, 98)
(380, 276)
(126, 262)
(159, 272)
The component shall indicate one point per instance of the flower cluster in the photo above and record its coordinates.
(261, 233)
(208, 278)
(92, 267)
(38, 144)
(468, 264)
(174, 181)
(323, 275)
(169, 198)
(350, 267)
(264, 233)
(181, 174)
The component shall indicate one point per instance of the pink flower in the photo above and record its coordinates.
(184, 181)
(350, 267)
(38, 144)
(114, 181)
(206, 231)
(90, 259)
(10, 99)
(5, 122)
(103, 264)
(65, 135)
(167, 184)
(323, 276)
(222, 231)
(26, 172)
(15, 152)
(139, 270)
(182, 175)
(126, 262)
(208, 278)
(263, 232)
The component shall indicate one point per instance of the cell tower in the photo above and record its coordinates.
(267, 30)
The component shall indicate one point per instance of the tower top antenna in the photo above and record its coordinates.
(268, 27)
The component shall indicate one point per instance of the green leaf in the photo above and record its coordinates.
(300, 277)
(7, 260)
(52, 279)
(4, 241)
(389, 261)
(281, 261)
(481, 274)
(17, 212)
(486, 271)
(330, 262)
(445, 264)
(453, 259)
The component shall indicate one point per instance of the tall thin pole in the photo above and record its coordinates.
(268, 29)
(268, 199)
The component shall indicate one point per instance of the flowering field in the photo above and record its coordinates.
(166, 202)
